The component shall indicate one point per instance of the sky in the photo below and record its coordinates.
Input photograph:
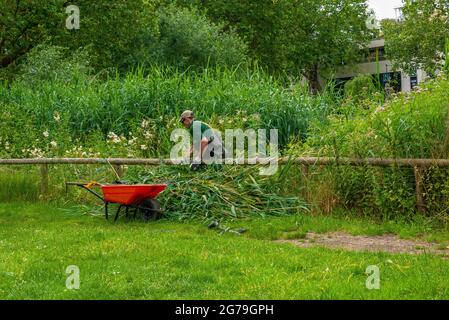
(384, 8)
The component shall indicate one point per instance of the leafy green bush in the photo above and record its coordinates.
(409, 126)
(436, 192)
(188, 39)
(53, 63)
(360, 88)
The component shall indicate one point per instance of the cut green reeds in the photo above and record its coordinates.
(221, 192)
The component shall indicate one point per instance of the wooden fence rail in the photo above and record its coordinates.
(309, 161)
(117, 163)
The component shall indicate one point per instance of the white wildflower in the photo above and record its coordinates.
(114, 138)
(56, 116)
(46, 134)
(36, 153)
(132, 141)
(53, 144)
(144, 123)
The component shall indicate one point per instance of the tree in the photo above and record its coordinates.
(258, 23)
(187, 38)
(112, 29)
(321, 35)
(418, 42)
(26, 23)
(304, 37)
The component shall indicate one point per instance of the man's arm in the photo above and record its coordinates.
(204, 143)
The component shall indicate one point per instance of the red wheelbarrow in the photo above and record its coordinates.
(138, 197)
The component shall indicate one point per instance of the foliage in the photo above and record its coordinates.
(258, 23)
(222, 192)
(323, 35)
(87, 113)
(113, 31)
(24, 24)
(436, 193)
(411, 125)
(104, 27)
(188, 39)
(360, 88)
(382, 193)
(52, 63)
(418, 42)
(298, 37)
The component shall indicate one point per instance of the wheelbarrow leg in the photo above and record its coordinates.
(118, 212)
(106, 210)
(126, 211)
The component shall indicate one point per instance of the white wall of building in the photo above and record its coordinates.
(385, 66)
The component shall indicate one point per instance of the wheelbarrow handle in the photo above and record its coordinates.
(86, 186)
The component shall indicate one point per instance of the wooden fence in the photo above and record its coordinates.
(418, 165)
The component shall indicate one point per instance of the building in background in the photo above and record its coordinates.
(398, 13)
(376, 62)
(371, 65)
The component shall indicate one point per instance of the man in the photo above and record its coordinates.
(208, 140)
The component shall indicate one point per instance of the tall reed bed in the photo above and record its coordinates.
(92, 108)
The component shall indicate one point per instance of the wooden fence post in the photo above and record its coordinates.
(44, 180)
(419, 189)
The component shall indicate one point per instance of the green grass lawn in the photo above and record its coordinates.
(169, 260)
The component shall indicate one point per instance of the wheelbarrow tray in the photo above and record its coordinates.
(129, 195)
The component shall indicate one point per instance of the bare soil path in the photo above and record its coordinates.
(384, 243)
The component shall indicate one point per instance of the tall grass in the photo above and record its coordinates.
(408, 126)
(19, 185)
(158, 93)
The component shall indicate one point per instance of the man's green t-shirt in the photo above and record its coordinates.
(205, 129)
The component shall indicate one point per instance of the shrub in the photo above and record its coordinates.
(53, 63)
(360, 88)
(188, 39)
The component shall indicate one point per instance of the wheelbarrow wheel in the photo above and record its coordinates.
(150, 209)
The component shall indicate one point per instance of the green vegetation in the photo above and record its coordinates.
(292, 36)
(115, 89)
(105, 29)
(144, 105)
(191, 34)
(19, 185)
(361, 90)
(407, 126)
(187, 39)
(134, 116)
(225, 192)
(167, 260)
(419, 41)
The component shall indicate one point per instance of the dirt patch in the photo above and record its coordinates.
(384, 243)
